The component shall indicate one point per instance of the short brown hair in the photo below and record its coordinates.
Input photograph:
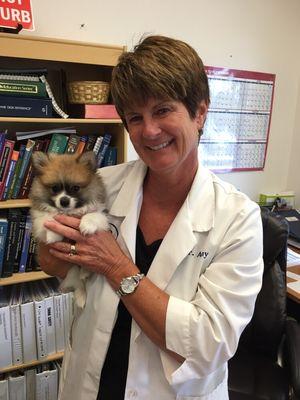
(159, 67)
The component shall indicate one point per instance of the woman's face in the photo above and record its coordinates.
(164, 135)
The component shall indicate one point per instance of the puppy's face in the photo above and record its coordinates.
(65, 182)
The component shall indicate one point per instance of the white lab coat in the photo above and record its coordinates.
(210, 263)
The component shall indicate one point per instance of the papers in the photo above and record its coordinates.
(293, 258)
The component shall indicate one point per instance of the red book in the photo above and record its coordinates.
(5, 162)
(101, 111)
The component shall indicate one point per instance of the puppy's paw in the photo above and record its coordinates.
(52, 237)
(93, 222)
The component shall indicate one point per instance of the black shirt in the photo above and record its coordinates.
(114, 371)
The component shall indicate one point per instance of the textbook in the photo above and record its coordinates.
(25, 107)
(9, 87)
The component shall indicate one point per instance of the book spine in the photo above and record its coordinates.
(97, 145)
(17, 171)
(26, 241)
(5, 160)
(104, 145)
(13, 222)
(90, 143)
(25, 107)
(72, 144)
(18, 244)
(58, 144)
(3, 236)
(25, 162)
(9, 87)
(10, 174)
(110, 157)
(81, 145)
(31, 260)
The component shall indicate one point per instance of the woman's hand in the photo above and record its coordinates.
(99, 253)
(50, 264)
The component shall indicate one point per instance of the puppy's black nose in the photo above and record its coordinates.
(64, 201)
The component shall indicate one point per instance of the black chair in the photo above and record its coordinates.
(254, 371)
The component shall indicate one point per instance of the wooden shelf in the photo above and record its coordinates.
(53, 357)
(24, 277)
(61, 120)
(18, 203)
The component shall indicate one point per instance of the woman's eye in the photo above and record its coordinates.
(162, 111)
(135, 119)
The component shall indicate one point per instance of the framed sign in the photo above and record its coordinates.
(14, 12)
(235, 135)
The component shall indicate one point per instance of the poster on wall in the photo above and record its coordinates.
(14, 12)
(235, 135)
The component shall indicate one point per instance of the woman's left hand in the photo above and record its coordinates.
(99, 253)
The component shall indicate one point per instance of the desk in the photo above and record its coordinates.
(292, 294)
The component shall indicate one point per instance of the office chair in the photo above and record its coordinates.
(254, 371)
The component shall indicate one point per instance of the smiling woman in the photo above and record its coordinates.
(171, 293)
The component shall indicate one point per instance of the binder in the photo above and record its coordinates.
(30, 377)
(46, 382)
(5, 328)
(28, 325)
(49, 320)
(4, 393)
(40, 321)
(15, 318)
(17, 386)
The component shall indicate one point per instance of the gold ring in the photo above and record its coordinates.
(73, 251)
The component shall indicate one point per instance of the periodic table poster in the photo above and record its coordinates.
(236, 131)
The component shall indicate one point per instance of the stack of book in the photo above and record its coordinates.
(36, 321)
(17, 245)
(26, 93)
(16, 172)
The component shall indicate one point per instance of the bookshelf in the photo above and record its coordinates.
(78, 61)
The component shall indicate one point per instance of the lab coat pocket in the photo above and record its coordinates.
(220, 393)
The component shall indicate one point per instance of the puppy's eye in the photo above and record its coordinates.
(55, 189)
(75, 188)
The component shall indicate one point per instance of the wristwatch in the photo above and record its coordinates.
(129, 284)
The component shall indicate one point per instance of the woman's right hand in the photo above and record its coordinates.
(50, 264)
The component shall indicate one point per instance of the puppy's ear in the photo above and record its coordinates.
(89, 159)
(39, 160)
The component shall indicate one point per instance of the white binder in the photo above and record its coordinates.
(4, 393)
(28, 325)
(5, 328)
(17, 386)
(15, 318)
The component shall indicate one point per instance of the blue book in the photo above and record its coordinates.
(25, 162)
(104, 145)
(110, 157)
(11, 106)
(26, 241)
(3, 236)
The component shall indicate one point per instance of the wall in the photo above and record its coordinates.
(243, 34)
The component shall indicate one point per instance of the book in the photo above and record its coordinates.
(100, 111)
(58, 143)
(72, 144)
(5, 161)
(23, 168)
(32, 263)
(27, 325)
(90, 143)
(15, 317)
(104, 145)
(25, 245)
(3, 237)
(16, 172)
(13, 241)
(28, 178)
(21, 215)
(9, 87)
(25, 107)
(97, 145)
(82, 144)
(22, 135)
(10, 173)
(5, 328)
(111, 156)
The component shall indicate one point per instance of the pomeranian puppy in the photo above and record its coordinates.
(67, 184)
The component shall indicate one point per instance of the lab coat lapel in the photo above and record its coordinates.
(196, 215)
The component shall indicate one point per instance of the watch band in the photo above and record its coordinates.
(136, 278)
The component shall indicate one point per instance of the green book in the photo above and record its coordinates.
(17, 171)
(58, 143)
(18, 88)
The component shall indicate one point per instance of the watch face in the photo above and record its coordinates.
(128, 285)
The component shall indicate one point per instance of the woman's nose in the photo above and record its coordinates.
(151, 128)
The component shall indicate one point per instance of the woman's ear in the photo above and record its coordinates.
(201, 114)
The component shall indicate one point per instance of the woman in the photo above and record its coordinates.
(172, 294)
